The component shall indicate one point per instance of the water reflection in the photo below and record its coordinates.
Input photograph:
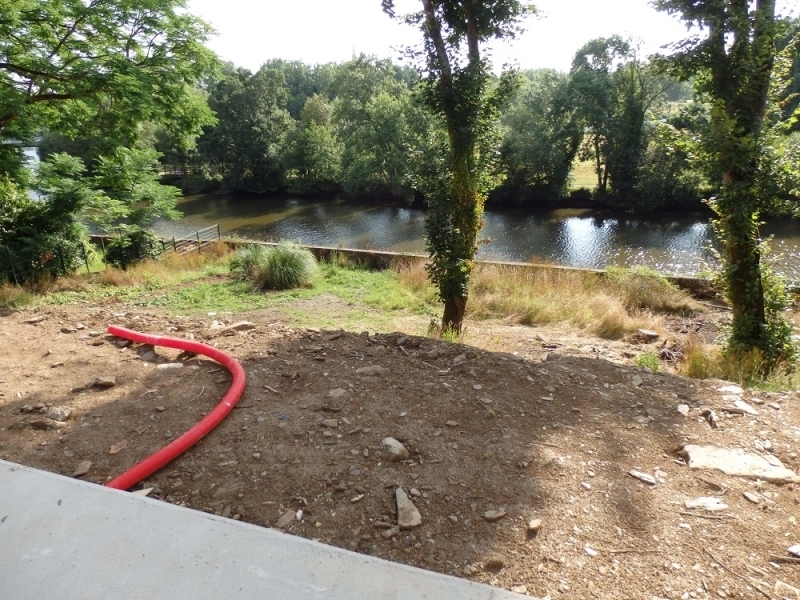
(679, 244)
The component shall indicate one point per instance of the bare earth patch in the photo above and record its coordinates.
(495, 440)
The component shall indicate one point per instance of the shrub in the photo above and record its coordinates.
(287, 266)
(248, 261)
(281, 267)
(132, 248)
(645, 289)
(648, 360)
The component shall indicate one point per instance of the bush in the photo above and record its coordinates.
(248, 261)
(645, 289)
(132, 248)
(281, 267)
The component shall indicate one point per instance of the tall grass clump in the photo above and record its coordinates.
(645, 289)
(282, 267)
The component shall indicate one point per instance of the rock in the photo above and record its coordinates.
(143, 492)
(82, 468)
(44, 423)
(34, 320)
(453, 518)
(390, 533)
(738, 463)
(648, 479)
(118, 447)
(242, 326)
(68, 330)
(590, 551)
(519, 589)
(774, 406)
(784, 590)
(683, 409)
(285, 519)
(336, 392)
(647, 334)
(105, 382)
(730, 389)
(451, 423)
(371, 370)
(460, 359)
(741, 404)
(494, 515)
(494, 563)
(59, 413)
(397, 451)
(754, 498)
(331, 423)
(169, 366)
(636, 380)
(534, 525)
(408, 516)
(794, 550)
(148, 356)
(709, 503)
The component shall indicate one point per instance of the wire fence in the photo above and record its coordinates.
(18, 267)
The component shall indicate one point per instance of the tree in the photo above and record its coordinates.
(614, 90)
(247, 143)
(732, 62)
(541, 138)
(458, 88)
(100, 67)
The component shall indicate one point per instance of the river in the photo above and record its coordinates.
(679, 244)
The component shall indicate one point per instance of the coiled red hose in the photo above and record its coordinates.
(174, 449)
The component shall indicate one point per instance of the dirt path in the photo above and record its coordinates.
(548, 433)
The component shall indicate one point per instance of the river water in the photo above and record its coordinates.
(679, 244)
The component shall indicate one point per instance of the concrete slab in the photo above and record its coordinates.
(64, 538)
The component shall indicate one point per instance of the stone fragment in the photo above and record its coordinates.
(494, 515)
(408, 516)
(752, 497)
(741, 404)
(336, 392)
(170, 366)
(774, 406)
(59, 413)
(534, 525)
(794, 550)
(730, 389)
(738, 463)
(397, 451)
(105, 382)
(34, 320)
(453, 518)
(648, 334)
(371, 370)
(451, 423)
(648, 479)
(118, 447)
(143, 492)
(683, 409)
(709, 503)
(242, 326)
(82, 468)
(590, 551)
(390, 533)
(45, 423)
(494, 563)
(330, 423)
(461, 358)
(285, 519)
(636, 381)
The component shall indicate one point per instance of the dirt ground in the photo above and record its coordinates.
(546, 429)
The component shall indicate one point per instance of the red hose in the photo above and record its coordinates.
(154, 462)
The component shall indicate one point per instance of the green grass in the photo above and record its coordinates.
(583, 176)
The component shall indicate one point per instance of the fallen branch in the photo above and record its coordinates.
(788, 559)
(198, 395)
(629, 551)
(735, 574)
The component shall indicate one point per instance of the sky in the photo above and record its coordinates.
(250, 32)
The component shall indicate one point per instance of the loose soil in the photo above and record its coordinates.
(537, 423)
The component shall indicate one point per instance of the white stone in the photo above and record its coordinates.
(738, 463)
(408, 516)
(397, 451)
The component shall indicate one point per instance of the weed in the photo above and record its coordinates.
(648, 360)
(14, 296)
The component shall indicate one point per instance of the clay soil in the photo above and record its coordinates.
(535, 423)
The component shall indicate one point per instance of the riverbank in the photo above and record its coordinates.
(671, 244)
(520, 438)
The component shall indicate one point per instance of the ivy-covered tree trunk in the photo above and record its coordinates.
(458, 89)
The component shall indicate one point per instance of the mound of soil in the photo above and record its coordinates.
(518, 461)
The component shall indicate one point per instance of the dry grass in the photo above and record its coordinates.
(585, 299)
(12, 296)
